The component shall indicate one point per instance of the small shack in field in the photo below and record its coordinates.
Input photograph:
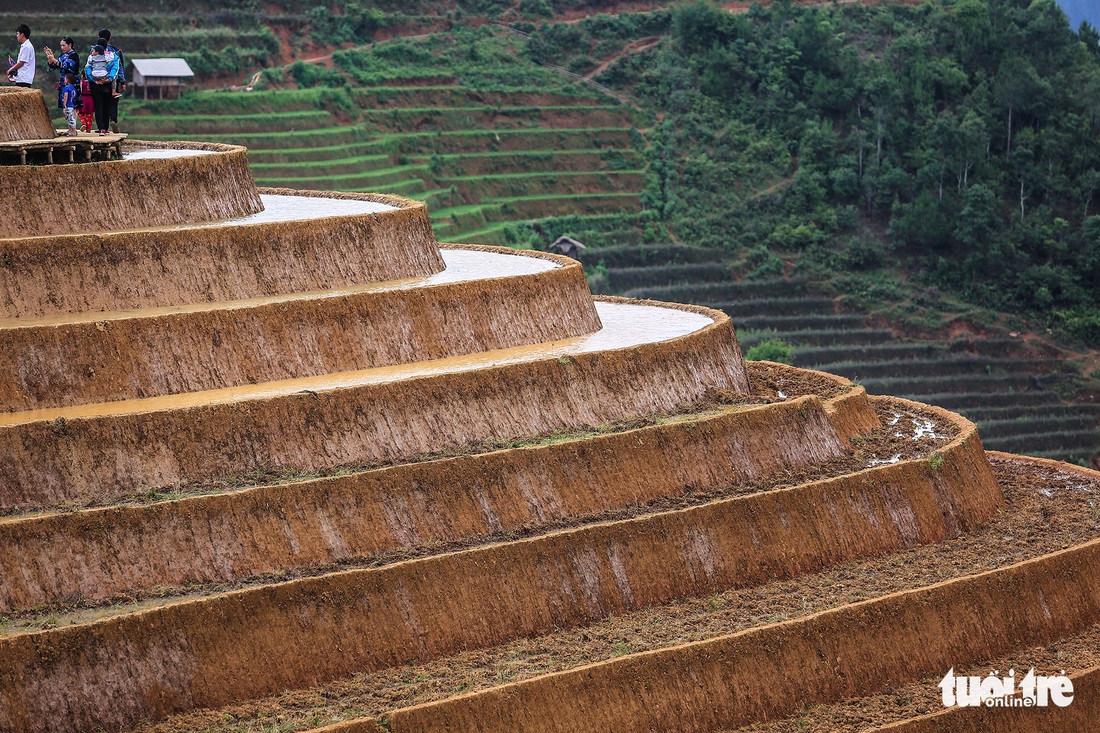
(567, 246)
(163, 75)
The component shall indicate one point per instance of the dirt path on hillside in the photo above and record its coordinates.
(633, 47)
(742, 6)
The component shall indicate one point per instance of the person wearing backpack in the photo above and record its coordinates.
(102, 70)
(120, 79)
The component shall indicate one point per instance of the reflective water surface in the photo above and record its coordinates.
(294, 208)
(624, 325)
(162, 153)
(276, 208)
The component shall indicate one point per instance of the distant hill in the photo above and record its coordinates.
(1079, 10)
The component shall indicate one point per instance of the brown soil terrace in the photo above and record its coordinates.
(187, 190)
(314, 422)
(117, 270)
(166, 351)
(789, 532)
(918, 704)
(1030, 524)
(882, 444)
(23, 115)
(1073, 655)
(766, 379)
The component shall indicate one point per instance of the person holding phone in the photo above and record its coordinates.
(21, 70)
(68, 63)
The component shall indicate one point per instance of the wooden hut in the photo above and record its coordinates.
(160, 74)
(567, 246)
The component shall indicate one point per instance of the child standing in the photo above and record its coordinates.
(68, 101)
(87, 105)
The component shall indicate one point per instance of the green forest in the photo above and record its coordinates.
(954, 143)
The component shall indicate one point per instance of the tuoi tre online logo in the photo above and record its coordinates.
(993, 691)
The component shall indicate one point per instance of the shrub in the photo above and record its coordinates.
(537, 8)
(763, 263)
(1081, 324)
(311, 75)
(597, 277)
(771, 350)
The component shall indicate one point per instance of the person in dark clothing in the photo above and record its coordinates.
(67, 63)
(101, 70)
(120, 80)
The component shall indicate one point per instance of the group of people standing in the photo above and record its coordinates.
(91, 91)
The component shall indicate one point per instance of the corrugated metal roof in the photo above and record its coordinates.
(162, 67)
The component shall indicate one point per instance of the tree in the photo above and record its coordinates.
(1015, 87)
(978, 222)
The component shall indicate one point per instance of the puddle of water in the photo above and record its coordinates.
(461, 266)
(884, 461)
(466, 264)
(162, 153)
(924, 428)
(1069, 482)
(624, 325)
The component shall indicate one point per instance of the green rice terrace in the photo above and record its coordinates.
(501, 139)
(1011, 388)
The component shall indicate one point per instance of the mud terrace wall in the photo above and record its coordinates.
(46, 462)
(74, 362)
(776, 670)
(132, 194)
(169, 267)
(1080, 716)
(24, 116)
(268, 529)
(256, 642)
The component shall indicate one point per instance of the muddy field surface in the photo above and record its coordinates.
(907, 434)
(1046, 510)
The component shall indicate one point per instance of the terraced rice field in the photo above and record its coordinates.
(283, 462)
(624, 624)
(478, 157)
(1008, 389)
(1051, 507)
